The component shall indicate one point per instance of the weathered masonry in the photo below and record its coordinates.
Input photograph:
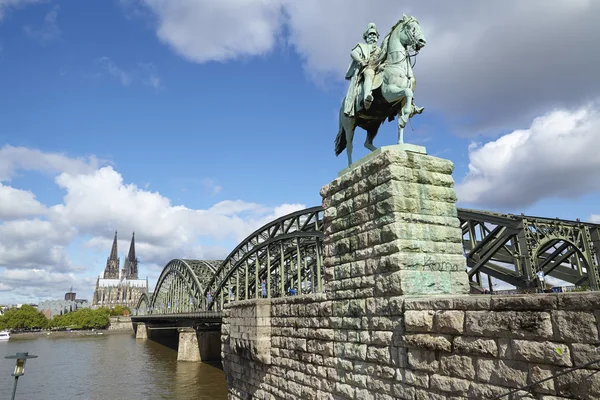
(396, 321)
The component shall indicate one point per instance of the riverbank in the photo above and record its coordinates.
(60, 334)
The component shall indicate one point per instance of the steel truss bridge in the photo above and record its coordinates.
(287, 254)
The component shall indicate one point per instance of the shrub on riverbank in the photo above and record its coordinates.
(119, 310)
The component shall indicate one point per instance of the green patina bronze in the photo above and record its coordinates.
(382, 84)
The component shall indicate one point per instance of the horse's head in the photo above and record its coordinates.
(411, 34)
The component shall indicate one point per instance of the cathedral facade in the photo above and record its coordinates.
(120, 287)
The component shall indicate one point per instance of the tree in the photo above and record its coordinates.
(84, 318)
(26, 317)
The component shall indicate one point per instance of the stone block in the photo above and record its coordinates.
(402, 391)
(419, 321)
(524, 303)
(377, 306)
(538, 373)
(575, 326)
(423, 360)
(429, 303)
(429, 342)
(502, 372)
(485, 391)
(382, 355)
(381, 338)
(541, 352)
(579, 301)
(458, 366)
(449, 385)
(579, 384)
(364, 394)
(449, 322)
(586, 353)
(510, 324)
(473, 303)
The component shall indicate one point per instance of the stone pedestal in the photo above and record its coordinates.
(391, 228)
(253, 341)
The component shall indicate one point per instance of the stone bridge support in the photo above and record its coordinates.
(141, 331)
(197, 346)
(396, 320)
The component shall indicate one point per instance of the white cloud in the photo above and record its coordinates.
(111, 68)
(212, 186)
(487, 66)
(151, 77)
(145, 73)
(207, 30)
(16, 203)
(21, 158)
(49, 30)
(557, 156)
(38, 284)
(14, 4)
(595, 218)
(36, 245)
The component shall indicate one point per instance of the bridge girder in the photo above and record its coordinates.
(514, 248)
(287, 252)
(269, 253)
(180, 287)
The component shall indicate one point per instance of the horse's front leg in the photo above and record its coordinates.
(400, 133)
(405, 112)
(369, 143)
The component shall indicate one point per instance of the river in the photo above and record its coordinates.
(105, 367)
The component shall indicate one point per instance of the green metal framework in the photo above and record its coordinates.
(287, 253)
(284, 254)
(514, 248)
(179, 288)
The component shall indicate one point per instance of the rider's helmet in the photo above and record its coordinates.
(371, 28)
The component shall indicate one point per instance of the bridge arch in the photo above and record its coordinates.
(143, 305)
(285, 253)
(563, 258)
(181, 286)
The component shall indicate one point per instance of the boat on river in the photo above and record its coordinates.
(4, 335)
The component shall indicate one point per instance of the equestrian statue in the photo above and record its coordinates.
(382, 84)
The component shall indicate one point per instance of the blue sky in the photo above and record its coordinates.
(113, 113)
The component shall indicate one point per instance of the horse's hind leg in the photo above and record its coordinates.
(348, 123)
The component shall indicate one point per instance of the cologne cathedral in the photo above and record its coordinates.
(120, 287)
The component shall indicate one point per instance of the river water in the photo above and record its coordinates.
(105, 367)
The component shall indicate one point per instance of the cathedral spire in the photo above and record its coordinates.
(130, 266)
(113, 253)
(112, 263)
(131, 255)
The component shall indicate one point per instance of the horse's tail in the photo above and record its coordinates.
(340, 139)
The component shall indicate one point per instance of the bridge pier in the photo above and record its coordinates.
(187, 349)
(141, 330)
(199, 346)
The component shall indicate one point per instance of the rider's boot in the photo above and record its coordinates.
(368, 101)
(417, 110)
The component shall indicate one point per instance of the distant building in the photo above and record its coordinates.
(51, 308)
(70, 295)
(120, 287)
